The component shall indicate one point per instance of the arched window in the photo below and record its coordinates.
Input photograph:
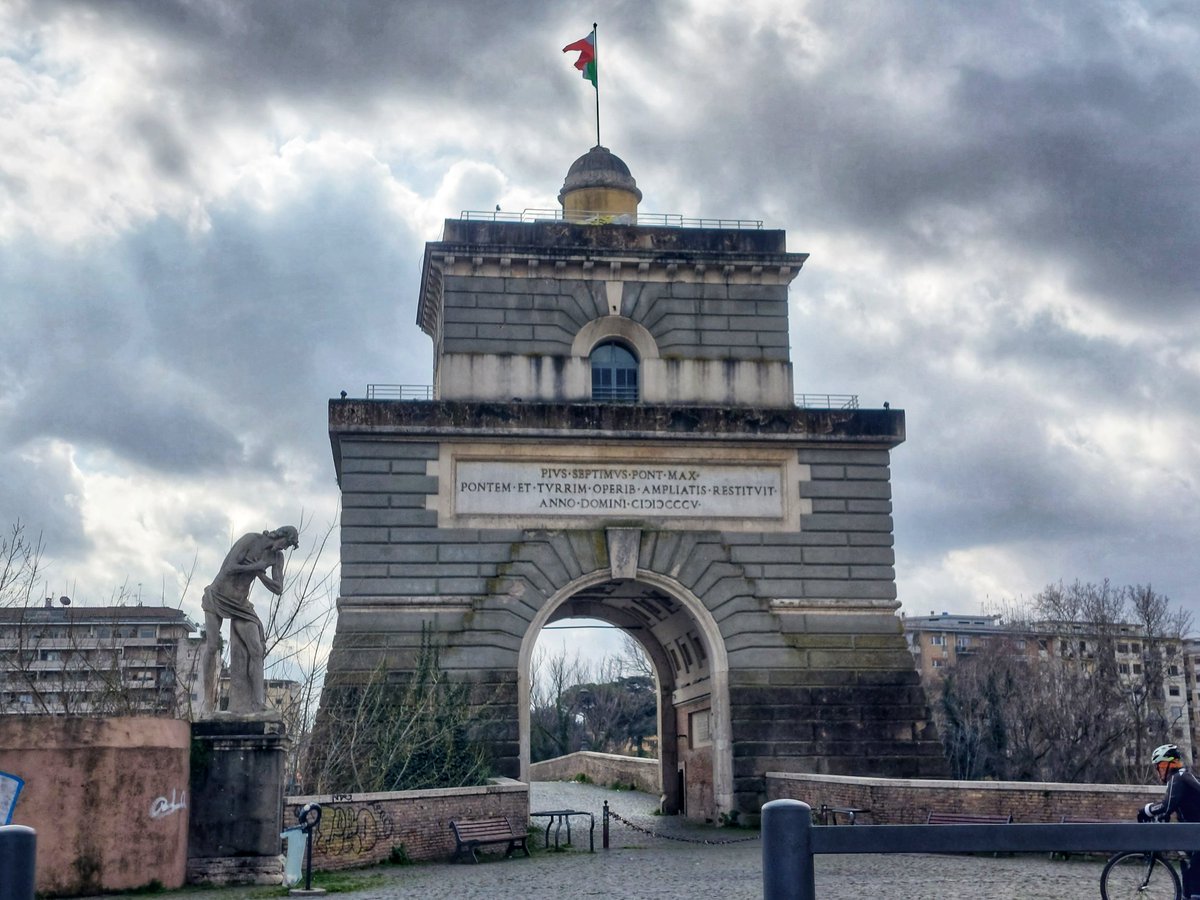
(614, 373)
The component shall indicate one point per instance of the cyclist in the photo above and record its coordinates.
(1182, 800)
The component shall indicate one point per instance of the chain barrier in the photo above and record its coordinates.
(672, 837)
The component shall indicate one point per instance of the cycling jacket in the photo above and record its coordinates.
(1182, 798)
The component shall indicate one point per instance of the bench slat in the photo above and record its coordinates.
(952, 818)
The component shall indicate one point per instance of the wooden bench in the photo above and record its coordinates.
(471, 834)
(953, 818)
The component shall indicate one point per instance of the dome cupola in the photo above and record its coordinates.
(599, 184)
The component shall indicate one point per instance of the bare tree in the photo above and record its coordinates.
(392, 735)
(554, 719)
(1073, 691)
(1161, 629)
(20, 566)
(609, 705)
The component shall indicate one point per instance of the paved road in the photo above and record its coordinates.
(644, 866)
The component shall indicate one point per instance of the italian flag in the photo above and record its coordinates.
(587, 56)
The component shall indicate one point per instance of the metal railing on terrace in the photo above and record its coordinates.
(399, 391)
(826, 401)
(425, 392)
(659, 220)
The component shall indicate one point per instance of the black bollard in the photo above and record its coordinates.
(604, 831)
(787, 851)
(18, 858)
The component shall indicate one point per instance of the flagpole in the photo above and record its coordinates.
(596, 51)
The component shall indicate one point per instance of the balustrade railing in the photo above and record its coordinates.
(608, 395)
(399, 391)
(659, 220)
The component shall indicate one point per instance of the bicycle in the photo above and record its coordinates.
(1137, 874)
(1144, 876)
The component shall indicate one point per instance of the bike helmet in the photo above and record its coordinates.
(1166, 753)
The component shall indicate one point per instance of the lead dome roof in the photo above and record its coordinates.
(599, 168)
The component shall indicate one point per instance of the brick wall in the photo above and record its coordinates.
(903, 801)
(362, 829)
(601, 768)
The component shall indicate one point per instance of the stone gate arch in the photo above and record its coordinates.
(511, 493)
(635, 605)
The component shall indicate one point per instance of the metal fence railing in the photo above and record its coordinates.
(826, 401)
(399, 391)
(790, 840)
(607, 394)
(660, 220)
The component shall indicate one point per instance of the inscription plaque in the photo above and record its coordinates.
(670, 490)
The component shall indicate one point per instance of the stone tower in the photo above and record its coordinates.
(614, 434)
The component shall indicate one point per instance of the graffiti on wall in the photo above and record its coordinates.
(10, 790)
(353, 830)
(161, 806)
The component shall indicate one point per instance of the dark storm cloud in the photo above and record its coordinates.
(202, 352)
(1063, 133)
(279, 310)
(42, 495)
(116, 405)
(355, 54)
(1007, 448)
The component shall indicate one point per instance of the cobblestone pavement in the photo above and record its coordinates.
(643, 866)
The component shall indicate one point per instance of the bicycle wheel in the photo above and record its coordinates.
(1144, 876)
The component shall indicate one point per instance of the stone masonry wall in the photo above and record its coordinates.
(391, 546)
(363, 829)
(819, 674)
(909, 801)
(687, 320)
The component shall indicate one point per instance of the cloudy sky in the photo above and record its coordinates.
(212, 214)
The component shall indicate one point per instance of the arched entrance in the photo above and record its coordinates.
(688, 654)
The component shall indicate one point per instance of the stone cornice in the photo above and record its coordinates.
(882, 428)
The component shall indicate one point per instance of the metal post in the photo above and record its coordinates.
(787, 851)
(18, 856)
(308, 860)
(310, 817)
(604, 830)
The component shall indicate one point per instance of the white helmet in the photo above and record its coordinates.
(1166, 753)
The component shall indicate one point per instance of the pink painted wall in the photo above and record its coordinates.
(107, 797)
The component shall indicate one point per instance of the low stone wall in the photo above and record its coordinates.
(905, 801)
(363, 829)
(601, 768)
(108, 798)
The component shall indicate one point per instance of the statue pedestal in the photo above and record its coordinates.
(237, 775)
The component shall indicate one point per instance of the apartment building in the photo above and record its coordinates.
(115, 660)
(939, 642)
(1191, 666)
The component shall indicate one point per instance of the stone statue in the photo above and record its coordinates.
(228, 597)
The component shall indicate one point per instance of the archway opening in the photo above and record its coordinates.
(680, 649)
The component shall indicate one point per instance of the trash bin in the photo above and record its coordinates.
(293, 863)
(18, 852)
